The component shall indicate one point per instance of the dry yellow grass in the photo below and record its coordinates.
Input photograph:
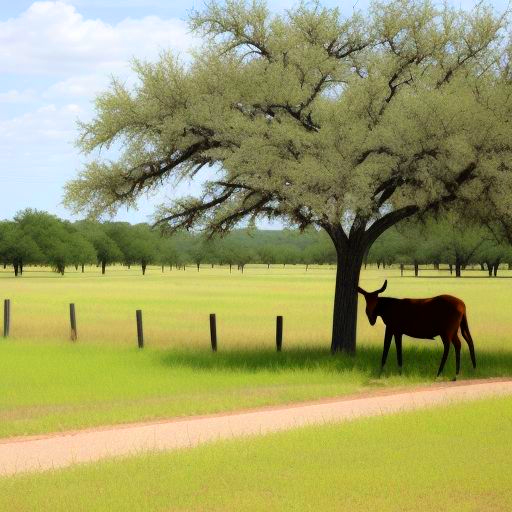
(176, 304)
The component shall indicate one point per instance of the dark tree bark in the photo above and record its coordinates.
(83, 268)
(458, 267)
(451, 268)
(16, 268)
(21, 267)
(401, 270)
(103, 266)
(143, 265)
(416, 270)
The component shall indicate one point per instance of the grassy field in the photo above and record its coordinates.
(449, 459)
(52, 384)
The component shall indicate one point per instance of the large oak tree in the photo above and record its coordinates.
(348, 124)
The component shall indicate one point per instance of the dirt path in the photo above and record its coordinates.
(39, 453)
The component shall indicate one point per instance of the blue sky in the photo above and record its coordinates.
(54, 57)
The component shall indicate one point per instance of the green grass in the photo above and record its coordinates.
(453, 459)
(52, 384)
(52, 387)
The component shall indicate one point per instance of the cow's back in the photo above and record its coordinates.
(422, 318)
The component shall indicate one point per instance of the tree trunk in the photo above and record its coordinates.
(458, 266)
(416, 270)
(451, 268)
(268, 266)
(76, 266)
(21, 267)
(143, 265)
(198, 266)
(436, 265)
(103, 265)
(82, 268)
(482, 267)
(344, 323)
(162, 269)
(378, 265)
(242, 268)
(495, 268)
(401, 270)
(16, 268)
(230, 267)
(307, 265)
(489, 269)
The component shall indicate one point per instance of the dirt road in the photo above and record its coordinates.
(39, 453)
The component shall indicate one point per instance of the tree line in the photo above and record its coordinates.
(39, 238)
(449, 241)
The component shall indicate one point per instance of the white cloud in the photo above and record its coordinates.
(49, 124)
(16, 96)
(52, 37)
(78, 86)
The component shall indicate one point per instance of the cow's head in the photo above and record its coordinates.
(372, 298)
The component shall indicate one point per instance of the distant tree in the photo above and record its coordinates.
(458, 241)
(82, 251)
(267, 254)
(50, 235)
(492, 254)
(18, 248)
(107, 251)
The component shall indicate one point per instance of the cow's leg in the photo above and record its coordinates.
(387, 342)
(398, 344)
(457, 345)
(446, 343)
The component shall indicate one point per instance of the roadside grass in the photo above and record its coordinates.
(58, 387)
(49, 384)
(453, 458)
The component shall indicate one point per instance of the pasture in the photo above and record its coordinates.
(442, 459)
(53, 384)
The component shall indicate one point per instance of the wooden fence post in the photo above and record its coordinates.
(213, 331)
(279, 333)
(72, 321)
(7, 317)
(140, 332)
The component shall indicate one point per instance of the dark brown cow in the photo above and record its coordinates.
(420, 318)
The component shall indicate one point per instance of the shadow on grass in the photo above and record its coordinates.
(419, 362)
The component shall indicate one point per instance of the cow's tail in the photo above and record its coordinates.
(464, 329)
